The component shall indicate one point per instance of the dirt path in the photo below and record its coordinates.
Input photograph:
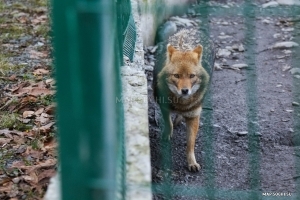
(28, 153)
(232, 149)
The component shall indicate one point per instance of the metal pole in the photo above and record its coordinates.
(84, 36)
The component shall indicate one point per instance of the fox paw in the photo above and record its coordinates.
(194, 167)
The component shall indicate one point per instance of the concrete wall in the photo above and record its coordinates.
(154, 12)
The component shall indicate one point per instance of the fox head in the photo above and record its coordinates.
(183, 71)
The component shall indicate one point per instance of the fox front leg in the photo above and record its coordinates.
(168, 130)
(192, 130)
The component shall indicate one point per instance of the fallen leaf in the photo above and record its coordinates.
(51, 144)
(33, 153)
(33, 91)
(19, 140)
(40, 71)
(4, 100)
(17, 14)
(39, 20)
(28, 114)
(7, 187)
(21, 85)
(40, 84)
(21, 149)
(19, 133)
(6, 133)
(42, 119)
(9, 133)
(29, 169)
(17, 179)
(46, 174)
(23, 19)
(4, 141)
(13, 192)
(12, 77)
(11, 108)
(4, 179)
(50, 81)
(28, 99)
(24, 121)
(39, 77)
(46, 128)
(45, 115)
(17, 164)
(31, 178)
(50, 109)
(24, 186)
(29, 133)
(39, 111)
(37, 55)
(50, 147)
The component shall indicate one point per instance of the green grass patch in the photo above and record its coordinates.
(2, 6)
(6, 67)
(5, 156)
(12, 31)
(19, 6)
(11, 121)
(28, 76)
(46, 100)
(40, 2)
(43, 30)
(8, 120)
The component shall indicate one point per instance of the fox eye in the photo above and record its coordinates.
(192, 75)
(176, 75)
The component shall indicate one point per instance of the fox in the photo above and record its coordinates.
(180, 83)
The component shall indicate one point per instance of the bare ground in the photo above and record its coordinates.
(275, 88)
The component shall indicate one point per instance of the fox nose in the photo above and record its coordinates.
(184, 91)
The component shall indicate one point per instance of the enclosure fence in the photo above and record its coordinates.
(90, 39)
(249, 11)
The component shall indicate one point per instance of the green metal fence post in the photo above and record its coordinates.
(88, 84)
(207, 114)
(251, 99)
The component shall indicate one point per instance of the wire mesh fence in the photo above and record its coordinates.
(166, 186)
(88, 41)
(93, 34)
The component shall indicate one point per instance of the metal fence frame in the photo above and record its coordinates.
(88, 43)
(249, 11)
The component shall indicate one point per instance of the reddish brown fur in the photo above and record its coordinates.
(183, 70)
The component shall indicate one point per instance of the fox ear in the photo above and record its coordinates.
(198, 50)
(171, 50)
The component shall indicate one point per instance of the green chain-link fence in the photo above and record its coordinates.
(88, 42)
(167, 189)
(90, 38)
